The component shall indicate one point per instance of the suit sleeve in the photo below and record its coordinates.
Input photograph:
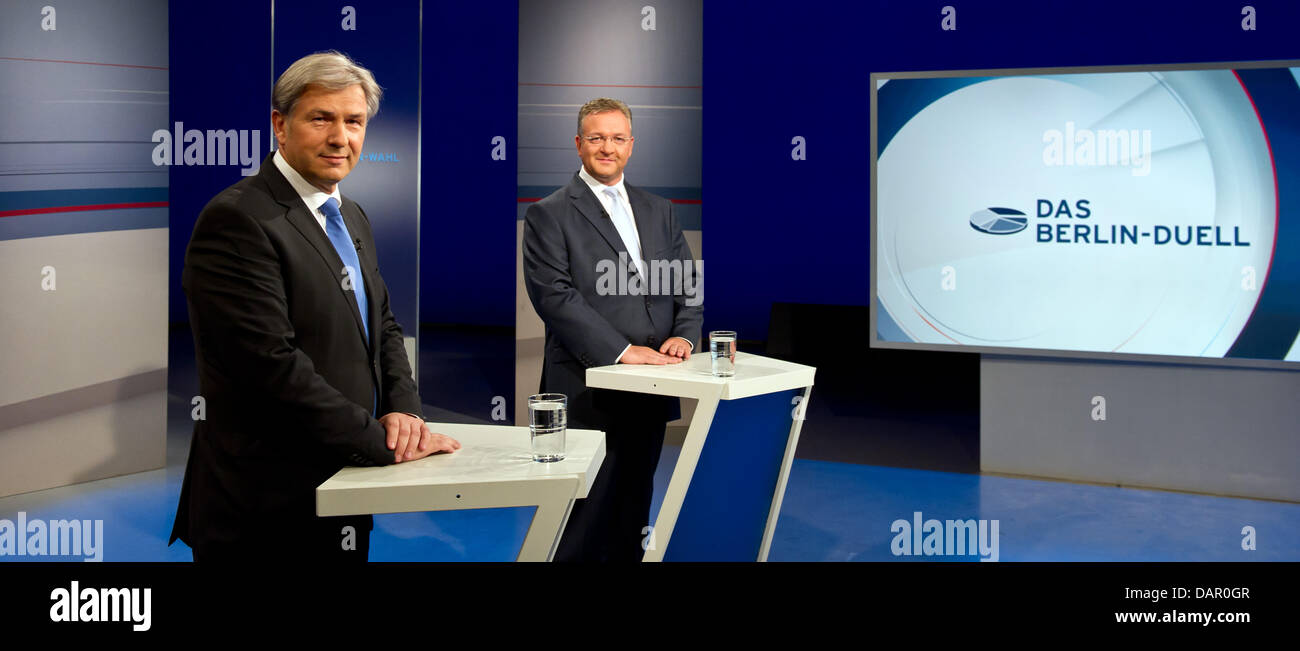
(399, 391)
(688, 306)
(581, 329)
(239, 312)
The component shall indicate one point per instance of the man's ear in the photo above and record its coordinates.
(278, 126)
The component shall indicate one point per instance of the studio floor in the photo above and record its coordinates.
(832, 511)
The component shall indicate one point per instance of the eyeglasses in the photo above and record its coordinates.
(618, 141)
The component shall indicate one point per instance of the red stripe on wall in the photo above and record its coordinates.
(689, 201)
(608, 85)
(98, 206)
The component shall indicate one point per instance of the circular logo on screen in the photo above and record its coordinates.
(999, 221)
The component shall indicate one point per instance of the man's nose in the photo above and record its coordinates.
(338, 134)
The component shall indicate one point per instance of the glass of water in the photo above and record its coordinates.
(548, 415)
(722, 350)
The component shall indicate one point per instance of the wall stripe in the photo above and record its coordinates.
(26, 201)
(607, 85)
(100, 206)
(84, 63)
(71, 223)
(674, 194)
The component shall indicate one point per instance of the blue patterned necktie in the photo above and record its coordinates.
(626, 230)
(337, 231)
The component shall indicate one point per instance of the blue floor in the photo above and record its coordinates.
(832, 512)
(843, 512)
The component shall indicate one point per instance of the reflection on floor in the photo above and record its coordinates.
(833, 511)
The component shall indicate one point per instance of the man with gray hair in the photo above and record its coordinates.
(301, 363)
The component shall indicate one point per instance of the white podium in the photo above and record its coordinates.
(494, 468)
(725, 493)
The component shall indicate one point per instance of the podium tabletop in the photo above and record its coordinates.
(755, 375)
(491, 456)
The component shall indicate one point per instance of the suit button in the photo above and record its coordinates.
(652, 341)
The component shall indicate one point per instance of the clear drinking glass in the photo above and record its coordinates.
(548, 416)
(722, 350)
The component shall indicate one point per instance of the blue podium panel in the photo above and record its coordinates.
(726, 509)
(725, 492)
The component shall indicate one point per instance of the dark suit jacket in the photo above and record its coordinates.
(567, 238)
(285, 369)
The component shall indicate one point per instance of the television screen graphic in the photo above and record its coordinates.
(1139, 212)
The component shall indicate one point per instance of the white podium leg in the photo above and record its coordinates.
(786, 461)
(554, 499)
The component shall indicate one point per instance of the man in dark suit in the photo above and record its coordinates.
(610, 274)
(301, 363)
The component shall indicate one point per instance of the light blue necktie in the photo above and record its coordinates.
(626, 229)
(337, 231)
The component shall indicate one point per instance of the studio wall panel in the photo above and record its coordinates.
(83, 241)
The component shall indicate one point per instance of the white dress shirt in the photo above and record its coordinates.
(311, 195)
(606, 202)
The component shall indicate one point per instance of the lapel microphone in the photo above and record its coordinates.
(356, 241)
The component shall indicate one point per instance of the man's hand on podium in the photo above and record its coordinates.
(410, 439)
(676, 347)
(644, 355)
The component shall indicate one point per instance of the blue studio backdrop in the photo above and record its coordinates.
(779, 229)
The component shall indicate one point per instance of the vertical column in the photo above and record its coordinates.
(385, 38)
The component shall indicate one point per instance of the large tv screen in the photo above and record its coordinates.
(1117, 212)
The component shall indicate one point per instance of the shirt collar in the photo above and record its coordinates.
(597, 187)
(311, 195)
